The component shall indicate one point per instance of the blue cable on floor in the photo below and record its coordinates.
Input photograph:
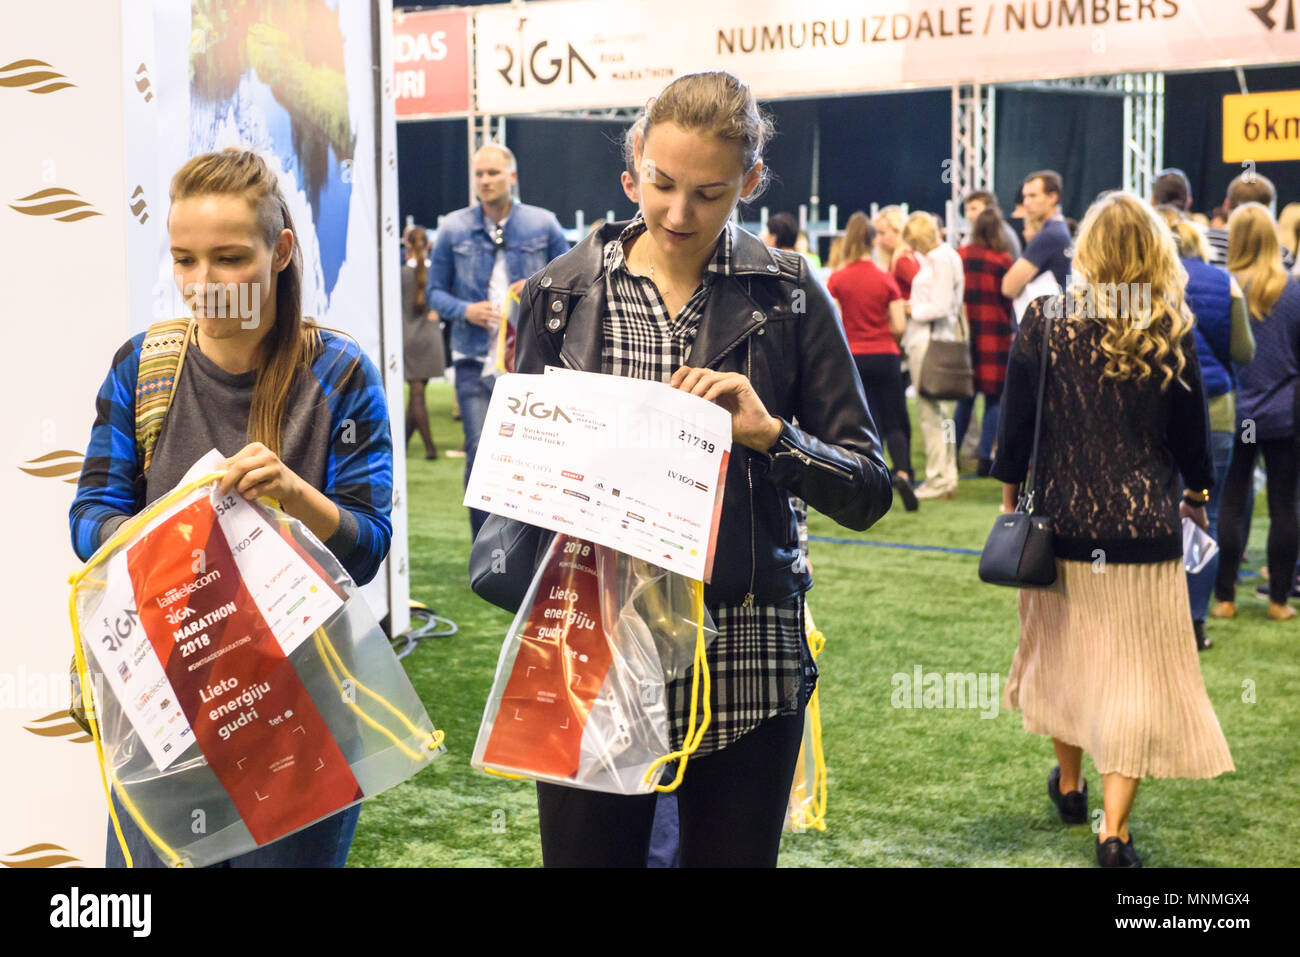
(915, 548)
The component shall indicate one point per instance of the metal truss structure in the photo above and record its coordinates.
(971, 166)
(1144, 130)
(1144, 118)
(973, 130)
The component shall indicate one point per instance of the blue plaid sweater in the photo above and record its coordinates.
(358, 460)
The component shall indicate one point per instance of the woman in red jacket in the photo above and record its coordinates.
(871, 308)
(985, 260)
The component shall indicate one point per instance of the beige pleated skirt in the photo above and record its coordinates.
(1107, 662)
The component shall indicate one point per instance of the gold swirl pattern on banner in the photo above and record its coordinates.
(72, 209)
(64, 462)
(41, 855)
(58, 724)
(27, 73)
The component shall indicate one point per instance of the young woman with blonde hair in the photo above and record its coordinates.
(1223, 338)
(934, 314)
(299, 410)
(680, 296)
(1266, 412)
(896, 256)
(1288, 228)
(1106, 662)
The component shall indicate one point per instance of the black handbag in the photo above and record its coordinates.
(1020, 551)
(503, 559)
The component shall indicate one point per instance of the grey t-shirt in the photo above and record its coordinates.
(210, 409)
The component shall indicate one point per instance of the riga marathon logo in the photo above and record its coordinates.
(1265, 14)
(535, 410)
(523, 65)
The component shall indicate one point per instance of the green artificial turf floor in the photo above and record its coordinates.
(907, 786)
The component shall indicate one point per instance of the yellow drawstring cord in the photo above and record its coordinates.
(323, 644)
(817, 819)
(87, 705)
(694, 735)
(502, 774)
(123, 533)
(328, 651)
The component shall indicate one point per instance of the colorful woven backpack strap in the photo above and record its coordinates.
(160, 363)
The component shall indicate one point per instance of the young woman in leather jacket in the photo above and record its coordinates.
(683, 296)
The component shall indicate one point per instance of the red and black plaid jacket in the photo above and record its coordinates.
(990, 316)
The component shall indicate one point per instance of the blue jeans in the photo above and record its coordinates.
(473, 392)
(665, 835)
(988, 428)
(324, 844)
(1201, 584)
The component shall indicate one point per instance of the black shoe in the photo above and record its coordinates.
(1202, 639)
(905, 492)
(1113, 852)
(984, 468)
(1072, 807)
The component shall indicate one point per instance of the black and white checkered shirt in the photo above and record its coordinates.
(759, 662)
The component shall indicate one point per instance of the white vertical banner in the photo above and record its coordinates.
(236, 74)
(144, 184)
(390, 293)
(63, 227)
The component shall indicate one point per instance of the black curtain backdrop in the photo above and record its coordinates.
(1194, 132)
(886, 149)
(1081, 137)
(883, 148)
(432, 169)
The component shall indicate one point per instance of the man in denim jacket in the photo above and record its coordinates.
(483, 253)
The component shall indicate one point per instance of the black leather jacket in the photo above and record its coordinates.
(774, 323)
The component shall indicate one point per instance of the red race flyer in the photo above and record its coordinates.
(204, 609)
(563, 657)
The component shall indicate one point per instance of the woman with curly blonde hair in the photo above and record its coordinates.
(1107, 661)
(1266, 412)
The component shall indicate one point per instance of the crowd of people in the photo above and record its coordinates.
(1155, 407)
(899, 284)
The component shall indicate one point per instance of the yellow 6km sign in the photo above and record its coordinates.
(1264, 127)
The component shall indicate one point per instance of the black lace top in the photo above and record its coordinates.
(1111, 453)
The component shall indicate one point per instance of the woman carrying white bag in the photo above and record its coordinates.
(680, 296)
(299, 410)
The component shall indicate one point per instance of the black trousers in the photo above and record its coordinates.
(882, 380)
(732, 807)
(1282, 461)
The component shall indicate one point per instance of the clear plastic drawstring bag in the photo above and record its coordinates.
(580, 693)
(243, 689)
(807, 809)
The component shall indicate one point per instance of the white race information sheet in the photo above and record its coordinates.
(635, 465)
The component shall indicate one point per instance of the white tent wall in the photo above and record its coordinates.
(85, 269)
(67, 291)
